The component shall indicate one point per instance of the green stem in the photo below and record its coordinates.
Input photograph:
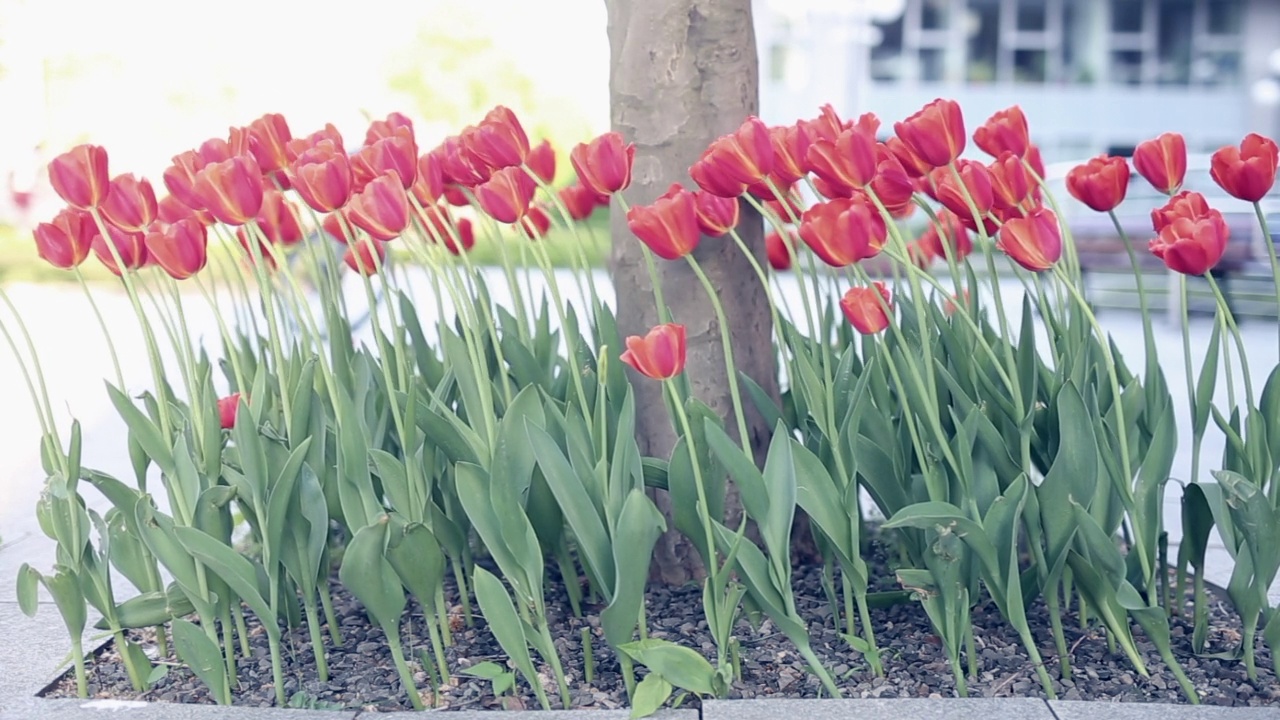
(726, 344)
(39, 398)
(330, 617)
(402, 668)
(1271, 252)
(97, 313)
(317, 640)
(1147, 333)
(1230, 319)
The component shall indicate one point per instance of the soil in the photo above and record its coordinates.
(362, 675)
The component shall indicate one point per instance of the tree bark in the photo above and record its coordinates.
(684, 72)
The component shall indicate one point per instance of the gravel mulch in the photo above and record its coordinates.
(362, 675)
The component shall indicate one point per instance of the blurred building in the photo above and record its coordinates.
(1092, 75)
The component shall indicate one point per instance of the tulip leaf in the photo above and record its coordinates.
(500, 614)
(1073, 475)
(638, 527)
(28, 592)
(417, 559)
(370, 577)
(450, 433)
(143, 430)
(202, 656)
(650, 695)
(677, 664)
(237, 571)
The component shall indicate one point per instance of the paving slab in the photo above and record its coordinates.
(534, 715)
(880, 709)
(1084, 710)
(36, 709)
(32, 651)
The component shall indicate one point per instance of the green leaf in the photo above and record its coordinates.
(450, 433)
(202, 656)
(571, 494)
(234, 569)
(1073, 475)
(370, 577)
(500, 614)
(677, 664)
(28, 592)
(142, 429)
(150, 609)
(395, 482)
(65, 588)
(947, 518)
(650, 695)
(418, 561)
(637, 530)
(485, 670)
(1206, 383)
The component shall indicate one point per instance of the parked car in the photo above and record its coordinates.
(1101, 248)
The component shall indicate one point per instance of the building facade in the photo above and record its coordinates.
(1092, 75)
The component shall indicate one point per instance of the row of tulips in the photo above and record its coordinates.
(482, 436)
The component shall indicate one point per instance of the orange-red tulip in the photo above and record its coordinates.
(269, 138)
(580, 200)
(381, 209)
(1005, 131)
(716, 215)
(506, 195)
(914, 166)
(778, 249)
(65, 241)
(844, 231)
(542, 161)
(180, 178)
(322, 176)
(1248, 171)
(1192, 236)
(1010, 185)
(935, 133)
(460, 165)
(1034, 241)
(790, 152)
(669, 227)
(535, 223)
(170, 210)
(946, 237)
(130, 245)
(604, 164)
(499, 139)
(1100, 183)
(1162, 161)
(847, 163)
(443, 228)
(379, 129)
(278, 219)
(79, 176)
(429, 186)
(706, 176)
(228, 407)
(974, 184)
(365, 256)
(297, 146)
(396, 153)
(180, 248)
(660, 354)
(892, 184)
(865, 307)
(336, 228)
(130, 204)
(744, 156)
(231, 190)
(788, 209)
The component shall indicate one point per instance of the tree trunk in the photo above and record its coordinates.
(684, 72)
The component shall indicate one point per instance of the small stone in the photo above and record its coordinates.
(1126, 679)
(1158, 683)
(1072, 694)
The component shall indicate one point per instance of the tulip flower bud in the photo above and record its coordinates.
(1034, 241)
(1100, 183)
(65, 241)
(1246, 172)
(865, 308)
(130, 203)
(660, 354)
(669, 226)
(935, 133)
(79, 176)
(1162, 161)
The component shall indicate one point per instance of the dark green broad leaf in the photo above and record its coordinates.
(416, 556)
(569, 488)
(202, 656)
(1073, 475)
(637, 530)
(237, 571)
(500, 614)
(652, 692)
(370, 577)
(142, 429)
(677, 664)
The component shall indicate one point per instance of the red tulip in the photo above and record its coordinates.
(231, 190)
(1163, 162)
(180, 178)
(1010, 185)
(322, 176)
(1034, 241)
(365, 256)
(429, 186)
(827, 126)
(580, 200)
(955, 196)
(263, 250)
(131, 247)
(844, 231)
(706, 176)
(381, 209)
(866, 308)
(216, 150)
(442, 228)
(170, 210)
(65, 241)
(1100, 183)
(506, 195)
(892, 184)
(180, 248)
(130, 203)
(336, 228)
(744, 156)
(660, 354)
(669, 227)
(460, 165)
(790, 149)
(716, 215)
(935, 134)
(269, 138)
(79, 176)
(946, 237)
(1192, 236)
(396, 153)
(1005, 131)
(499, 139)
(604, 164)
(228, 407)
(778, 249)
(456, 196)
(1246, 172)
(788, 209)
(297, 146)
(278, 219)
(542, 161)
(848, 162)
(1033, 159)
(535, 223)
(911, 162)
(379, 129)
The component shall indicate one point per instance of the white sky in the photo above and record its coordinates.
(150, 78)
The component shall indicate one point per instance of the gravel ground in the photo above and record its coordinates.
(362, 675)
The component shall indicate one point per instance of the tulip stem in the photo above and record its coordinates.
(726, 343)
(40, 397)
(1271, 252)
(97, 313)
(769, 296)
(664, 314)
(1230, 320)
(579, 256)
(233, 350)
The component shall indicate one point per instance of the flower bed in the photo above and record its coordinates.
(1020, 462)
